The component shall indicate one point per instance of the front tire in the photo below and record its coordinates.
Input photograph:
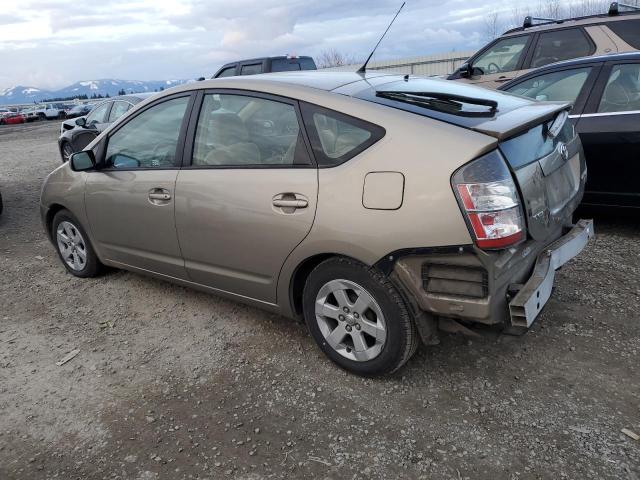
(66, 151)
(358, 318)
(73, 246)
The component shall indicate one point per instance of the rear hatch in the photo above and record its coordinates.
(538, 141)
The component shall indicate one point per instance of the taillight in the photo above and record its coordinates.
(490, 201)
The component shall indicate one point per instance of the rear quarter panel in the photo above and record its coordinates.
(426, 152)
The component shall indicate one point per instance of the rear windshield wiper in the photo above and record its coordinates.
(445, 102)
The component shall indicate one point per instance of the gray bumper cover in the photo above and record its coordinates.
(531, 298)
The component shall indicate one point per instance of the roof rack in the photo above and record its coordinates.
(614, 9)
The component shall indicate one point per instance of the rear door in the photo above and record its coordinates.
(247, 194)
(130, 200)
(610, 133)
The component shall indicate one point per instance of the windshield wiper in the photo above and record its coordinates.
(445, 102)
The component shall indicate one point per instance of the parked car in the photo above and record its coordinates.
(321, 195)
(79, 110)
(11, 119)
(75, 134)
(533, 45)
(605, 92)
(29, 114)
(4, 111)
(283, 63)
(51, 111)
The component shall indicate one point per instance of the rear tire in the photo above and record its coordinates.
(358, 318)
(73, 246)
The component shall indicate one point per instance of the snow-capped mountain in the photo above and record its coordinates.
(26, 94)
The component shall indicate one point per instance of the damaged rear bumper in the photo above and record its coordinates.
(508, 287)
(533, 295)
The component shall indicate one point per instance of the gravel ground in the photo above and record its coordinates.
(172, 383)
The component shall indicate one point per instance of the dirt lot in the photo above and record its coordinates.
(171, 383)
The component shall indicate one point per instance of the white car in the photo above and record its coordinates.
(51, 111)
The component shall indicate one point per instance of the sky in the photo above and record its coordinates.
(52, 43)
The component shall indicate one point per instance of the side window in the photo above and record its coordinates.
(262, 132)
(336, 137)
(502, 56)
(622, 93)
(251, 69)
(560, 45)
(118, 109)
(627, 30)
(98, 114)
(564, 86)
(227, 72)
(150, 139)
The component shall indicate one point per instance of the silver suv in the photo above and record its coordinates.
(372, 206)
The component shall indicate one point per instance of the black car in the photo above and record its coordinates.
(78, 133)
(605, 92)
(79, 110)
(283, 63)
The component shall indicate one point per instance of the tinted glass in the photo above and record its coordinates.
(98, 114)
(251, 69)
(262, 132)
(336, 137)
(307, 64)
(227, 72)
(562, 86)
(627, 30)
(150, 139)
(284, 65)
(503, 56)
(560, 45)
(118, 109)
(622, 93)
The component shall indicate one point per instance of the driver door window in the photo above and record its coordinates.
(239, 130)
(98, 114)
(502, 56)
(150, 139)
(564, 86)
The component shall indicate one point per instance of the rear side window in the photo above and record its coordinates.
(227, 72)
(252, 69)
(621, 93)
(560, 45)
(564, 86)
(336, 137)
(627, 30)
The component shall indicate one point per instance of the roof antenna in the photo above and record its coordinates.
(363, 68)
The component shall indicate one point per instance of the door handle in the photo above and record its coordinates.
(290, 203)
(159, 196)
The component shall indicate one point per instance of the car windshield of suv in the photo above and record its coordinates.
(564, 86)
(503, 56)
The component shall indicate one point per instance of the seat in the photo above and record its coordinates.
(227, 142)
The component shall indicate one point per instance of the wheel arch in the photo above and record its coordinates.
(54, 208)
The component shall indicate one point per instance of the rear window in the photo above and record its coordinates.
(284, 65)
(336, 137)
(252, 69)
(627, 30)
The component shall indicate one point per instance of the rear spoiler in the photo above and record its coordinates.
(520, 119)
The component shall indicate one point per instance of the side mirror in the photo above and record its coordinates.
(81, 122)
(82, 161)
(465, 70)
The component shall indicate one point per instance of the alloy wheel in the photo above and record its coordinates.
(350, 320)
(71, 245)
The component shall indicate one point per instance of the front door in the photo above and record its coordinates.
(249, 196)
(130, 200)
(610, 134)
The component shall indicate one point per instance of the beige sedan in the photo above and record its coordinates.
(371, 206)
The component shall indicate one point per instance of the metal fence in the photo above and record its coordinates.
(438, 64)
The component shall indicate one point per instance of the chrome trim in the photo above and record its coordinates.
(604, 114)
